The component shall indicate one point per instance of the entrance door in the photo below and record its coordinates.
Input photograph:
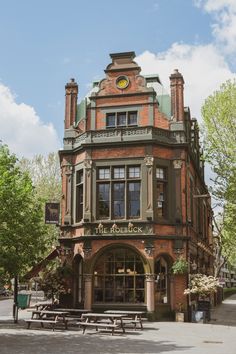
(119, 278)
(162, 281)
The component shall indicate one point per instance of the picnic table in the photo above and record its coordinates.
(47, 317)
(72, 314)
(44, 305)
(73, 311)
(134, 317)
(102, 320)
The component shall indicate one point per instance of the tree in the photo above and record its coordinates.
(219, 115)
(46, 177)
(22, 233)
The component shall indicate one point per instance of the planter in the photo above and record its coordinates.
(179, 317)
(205, 305)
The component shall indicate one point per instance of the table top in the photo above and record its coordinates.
(46, 303)
(49, 312)
(102, 315)
(72, 310)
(125, 312)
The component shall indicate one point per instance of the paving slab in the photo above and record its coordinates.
(157, 337)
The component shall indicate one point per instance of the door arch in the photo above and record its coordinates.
(119, 277)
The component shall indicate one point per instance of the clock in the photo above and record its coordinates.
(122, 82)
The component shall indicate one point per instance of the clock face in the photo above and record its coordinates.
(122, 82)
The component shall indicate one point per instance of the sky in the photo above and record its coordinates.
(44, 43)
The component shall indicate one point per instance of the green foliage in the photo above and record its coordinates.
(229, 291)
(46, 177)
(180, 266)
(21, 230)
(219, 114)
(55, 280)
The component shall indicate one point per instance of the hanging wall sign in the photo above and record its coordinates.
(52, 213)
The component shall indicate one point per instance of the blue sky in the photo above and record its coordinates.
(45, 43)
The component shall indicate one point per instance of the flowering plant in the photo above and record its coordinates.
(180, 266)
(202, 285)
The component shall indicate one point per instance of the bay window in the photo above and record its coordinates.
(118, 192)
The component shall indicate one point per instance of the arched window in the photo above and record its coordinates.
(78, 289)
(119, 277)
(162, 280)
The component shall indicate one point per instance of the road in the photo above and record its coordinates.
(217, 337)
(6, 306)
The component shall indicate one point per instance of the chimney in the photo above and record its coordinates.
(71, 103)
(177, 95)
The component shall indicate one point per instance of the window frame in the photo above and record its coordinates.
(128, 119)
(119, 177)
(162, 179)
(79, 187)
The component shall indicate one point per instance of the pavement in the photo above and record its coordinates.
(218, 337)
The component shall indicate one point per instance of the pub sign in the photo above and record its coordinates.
(52, 213)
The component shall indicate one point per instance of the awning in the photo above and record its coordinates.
(41, 265)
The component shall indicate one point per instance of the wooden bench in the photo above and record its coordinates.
(50, 317)
(98, 324)
(42, 321)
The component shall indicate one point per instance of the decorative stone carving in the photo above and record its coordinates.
(150, 277)
(149, 160)
(88, 278)
(88, 164)
(177, 164)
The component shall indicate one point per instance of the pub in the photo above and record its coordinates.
(134, 200)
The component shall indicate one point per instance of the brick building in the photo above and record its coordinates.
(133, 193)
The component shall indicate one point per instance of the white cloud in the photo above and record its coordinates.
(204, 69)
(22, 130)
(224, 26)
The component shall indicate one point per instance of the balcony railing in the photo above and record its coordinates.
(122, 135)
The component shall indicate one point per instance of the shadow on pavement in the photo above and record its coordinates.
(81, 344)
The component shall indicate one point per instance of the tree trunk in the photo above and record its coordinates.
(15, 304)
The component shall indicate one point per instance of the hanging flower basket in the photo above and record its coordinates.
(202, 285)
(180, 266)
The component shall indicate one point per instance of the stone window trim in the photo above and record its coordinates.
(119, 196)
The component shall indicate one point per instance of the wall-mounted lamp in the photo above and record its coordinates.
(194, 266)
(149, 248)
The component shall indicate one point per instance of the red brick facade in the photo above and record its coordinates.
(125, 140)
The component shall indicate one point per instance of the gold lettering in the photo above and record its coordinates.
(118, 230)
